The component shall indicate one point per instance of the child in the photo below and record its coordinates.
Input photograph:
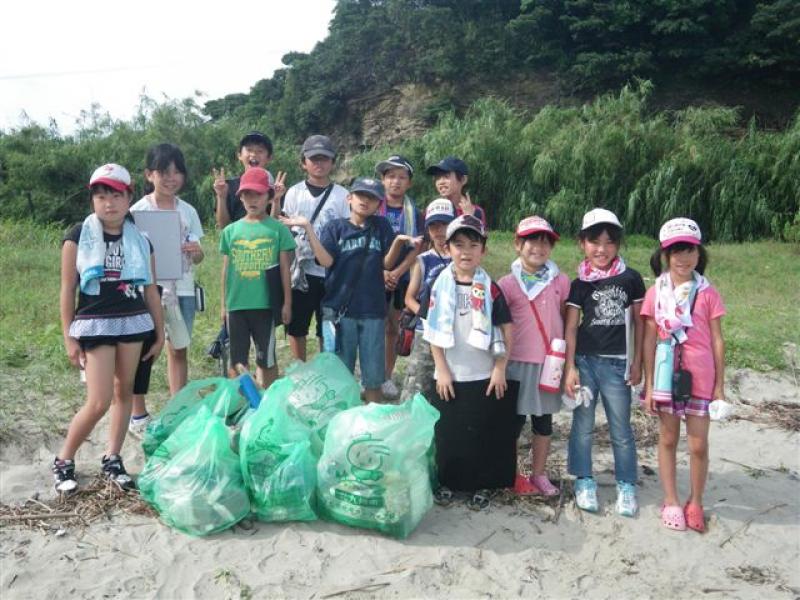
(683, 310)
(450, 177)
(596, 357)
(320, 201)
(255, 150)
(419, 371)
(476, 434)
(111, 260)
(355, 252)
(251, 246)
(396, 173)
(536, 292)
(165, 172)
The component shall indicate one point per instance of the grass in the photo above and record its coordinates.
(39, 390)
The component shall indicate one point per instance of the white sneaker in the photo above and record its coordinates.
(136, 427)
(389, 388)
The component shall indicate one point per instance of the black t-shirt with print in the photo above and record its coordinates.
(603, 304)
(116, 298)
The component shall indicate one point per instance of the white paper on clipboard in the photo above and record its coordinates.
(163, 229)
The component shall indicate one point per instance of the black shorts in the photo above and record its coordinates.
(141, 381)
(397, 298)
(90, 343)
(258, 325)
(305, 304)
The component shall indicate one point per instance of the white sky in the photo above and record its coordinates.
(57, 58)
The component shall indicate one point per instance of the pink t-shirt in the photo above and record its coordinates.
(698, 352)
(528, 345)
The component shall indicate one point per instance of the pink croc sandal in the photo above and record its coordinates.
(672, 517)
(694, 517)
(545, 487)
(524, 487)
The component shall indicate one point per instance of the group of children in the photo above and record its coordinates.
(355, 260)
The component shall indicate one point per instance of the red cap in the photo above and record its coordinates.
(255, 179)
(530, 225)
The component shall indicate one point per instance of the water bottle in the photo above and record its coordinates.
(249, 390)
(664, 366)
(553, 367)
(328, 330)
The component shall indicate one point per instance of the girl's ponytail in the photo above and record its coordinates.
(655, 262)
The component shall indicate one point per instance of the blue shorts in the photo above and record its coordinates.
(363, 338)
(188, 306)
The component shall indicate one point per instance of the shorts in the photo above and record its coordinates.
(141, 381)
(363, 338)
(188, 306)
(258, 325)
(306, 304)
(90, 343)
(540, 424)
(397, 297)
(695, 407)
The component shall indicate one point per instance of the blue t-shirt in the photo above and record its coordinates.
(345, 242)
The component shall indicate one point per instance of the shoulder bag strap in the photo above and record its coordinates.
(539, 323)
(317, 210)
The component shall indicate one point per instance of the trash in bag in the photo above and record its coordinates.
(219, 394)
(374, 469)
(277, 464)
(199, 489)
(321, 388)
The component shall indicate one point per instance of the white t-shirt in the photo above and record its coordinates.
(466, 362)
(299, 201)
(191, 230)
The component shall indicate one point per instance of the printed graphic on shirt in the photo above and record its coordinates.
(610, 305)
(112, 269)
(356, 243)
(250, 258)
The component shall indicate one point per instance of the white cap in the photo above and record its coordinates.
(597, 216)
(679, 230)
(112, 175)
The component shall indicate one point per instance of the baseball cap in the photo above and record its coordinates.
(440, 210)
(256, 137)
(368, 185)
(530, 225)
(112, 175)
(394, 162)
(318, 145)
(255, 179)
(447, 165)
(597, 216)
(466, 222)
(679, 230)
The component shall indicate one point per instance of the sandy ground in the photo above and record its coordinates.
(751, 549)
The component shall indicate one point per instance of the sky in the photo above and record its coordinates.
(59, 58)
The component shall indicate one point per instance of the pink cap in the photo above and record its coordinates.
(530, 225)
(679, 230)
(255, 179)
(112, 175)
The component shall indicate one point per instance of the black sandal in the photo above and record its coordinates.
(443, 496)
(479, 500)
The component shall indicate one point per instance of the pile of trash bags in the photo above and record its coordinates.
(310, 448)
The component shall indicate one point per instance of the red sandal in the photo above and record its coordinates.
(695, 518)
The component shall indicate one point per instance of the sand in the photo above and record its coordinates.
(517, 548)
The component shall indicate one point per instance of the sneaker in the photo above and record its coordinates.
(627, 506)
(64, 476)
(389, 389)
(115, 472)
(586, 494)
(545, 487)
(137, 425)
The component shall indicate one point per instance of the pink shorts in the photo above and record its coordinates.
(695, 407)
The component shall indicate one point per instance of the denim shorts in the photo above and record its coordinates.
(188, 306)
(364, 338)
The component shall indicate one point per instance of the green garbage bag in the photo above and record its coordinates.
(374, 470)
(199, 489)
(277, 464)
(220, 395)
(322, 387)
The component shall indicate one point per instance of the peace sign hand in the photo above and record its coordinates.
(220, 185)
(280, 184)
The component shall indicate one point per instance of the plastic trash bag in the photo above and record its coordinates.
(277, 464)
(199, 488)
(374, 469)
(219, 394)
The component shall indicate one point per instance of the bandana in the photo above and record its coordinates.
(532, 284)
(673, 305)
(586, 272)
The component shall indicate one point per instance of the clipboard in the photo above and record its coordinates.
(163, 229)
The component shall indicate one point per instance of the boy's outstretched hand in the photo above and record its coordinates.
(220, 185)
(298, 221)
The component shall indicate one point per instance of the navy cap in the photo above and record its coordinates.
(394, 162)
(441, 210)
(368, 185)
(318, 145)
(256, 137)
(449, 164)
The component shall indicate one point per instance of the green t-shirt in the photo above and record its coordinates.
(252, 248)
